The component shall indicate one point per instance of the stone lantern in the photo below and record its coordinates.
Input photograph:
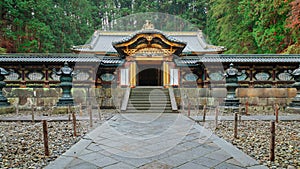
(231, 75)
(295, 104)
(3, 99)
(66, 78)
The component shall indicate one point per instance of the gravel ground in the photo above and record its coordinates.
(22, 143)
(254, 139)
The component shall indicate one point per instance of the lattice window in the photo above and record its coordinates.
(284, 76)
(82, 76)
(35, 75)
(190, 77)
(216, 76)
(262, 76)
(242, 77)
(107, 77)
(53, 76)
(13, 76)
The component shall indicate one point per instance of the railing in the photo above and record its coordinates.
(125, 99)
(173, 101)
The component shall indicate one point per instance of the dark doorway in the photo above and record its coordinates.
(150, 77)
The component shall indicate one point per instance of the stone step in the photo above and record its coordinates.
(148, 99)
(151, 91)
(142, 101)
(139, 101)
(152, 104)
(134, 101)
(144, 94)
(147, 96)
(144, 89)
(148, 92)
(152, 111)
(149, 108)
(138, 92)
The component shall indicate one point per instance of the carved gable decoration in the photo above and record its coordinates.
(147, 41)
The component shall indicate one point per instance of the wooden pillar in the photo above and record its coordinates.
(251, 85)
(272, 141)
(46, 84)
(205, 79)
(45, 134)
(133, 74)
(274, 84)
(23, 81)
(166, 74)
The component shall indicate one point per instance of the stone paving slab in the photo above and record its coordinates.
(153, 141)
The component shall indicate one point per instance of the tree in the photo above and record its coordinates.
(249, 26)
(293, 22)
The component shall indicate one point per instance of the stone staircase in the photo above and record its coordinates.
(149, 100)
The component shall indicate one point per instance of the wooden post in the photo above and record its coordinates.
(276, 112)
(91, 115)
(69, 113)
(235, 125)
(204, 112)
(74, 124)
(50, 110)
(17, 108)
(32, 113)
(246, 108)
(272, 142)
(45, 132)
(80, 109)
(69, 109)
(183, 104)
(189, 109)
(216, 116)
(99, 112)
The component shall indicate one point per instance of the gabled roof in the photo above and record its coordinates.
(184, 61)
(150, 39)
(237, 58)
(61, 57)
(102, 42)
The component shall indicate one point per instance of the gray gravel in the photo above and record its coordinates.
(22, 145)
(254, 139)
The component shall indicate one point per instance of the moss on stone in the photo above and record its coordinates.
(64, 109)
(7, 110)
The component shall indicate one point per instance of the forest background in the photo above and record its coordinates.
(243, 26)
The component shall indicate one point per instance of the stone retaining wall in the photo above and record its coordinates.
(254, 96)
(259, 99)
(48, 97)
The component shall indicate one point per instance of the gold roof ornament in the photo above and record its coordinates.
(148, 25)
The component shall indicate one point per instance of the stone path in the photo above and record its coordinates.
(153, 141)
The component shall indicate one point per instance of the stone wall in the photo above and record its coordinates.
(48, 97)
(259, 99)
(254, 96)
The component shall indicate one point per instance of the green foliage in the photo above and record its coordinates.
(250, 26)
(293, 49)
(45, 25)
(243, 26)
(2, 50)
